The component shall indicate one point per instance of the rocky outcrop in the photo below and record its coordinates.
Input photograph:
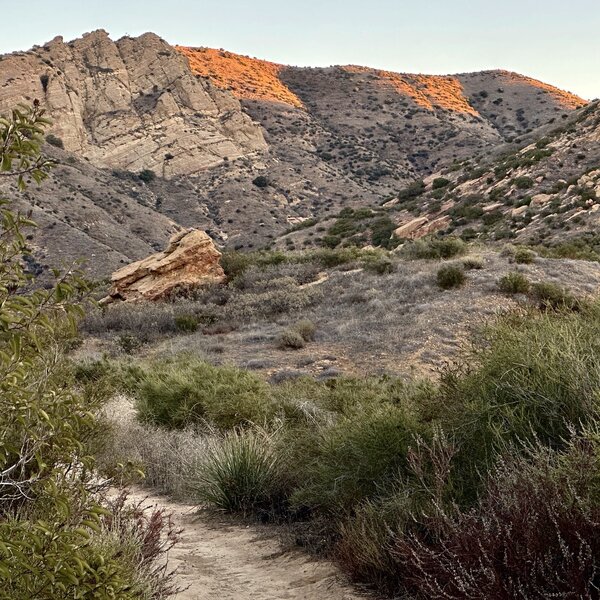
(133, 104)
(191, 260)
(422, 226)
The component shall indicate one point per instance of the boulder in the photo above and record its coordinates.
(190, 260)
(422, 226)
(405, 230)
(540, 199)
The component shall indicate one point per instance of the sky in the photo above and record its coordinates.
(557, 41)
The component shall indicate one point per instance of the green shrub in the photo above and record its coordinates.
(261, 181)
(552, 296)
(355, 458)
(524, 256)
(523, 183)
(185, 391)
(186, 323)
(531, 377)
(236, 263)
(450, 276)
(242, 473)
(434, 248)
(53, 543)
(440, 182)
(514, 283)
(147, 176)
(414, 190)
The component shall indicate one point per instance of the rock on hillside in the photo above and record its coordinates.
(190, 260)
(132, 104)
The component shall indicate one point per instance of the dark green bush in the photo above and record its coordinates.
(440, 182)
(147, 176)
(450, 276)
(54, 141)
(355, 458)
(524, 256)
(261, 181)
(187, 323)
(514, 283)
(554, 297)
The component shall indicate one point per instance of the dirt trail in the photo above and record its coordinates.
(223, 561)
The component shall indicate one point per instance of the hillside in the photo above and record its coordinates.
(545, 191)
(150, 137)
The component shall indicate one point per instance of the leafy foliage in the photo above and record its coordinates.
(51, 540)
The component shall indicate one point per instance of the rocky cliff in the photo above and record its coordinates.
(133, 104)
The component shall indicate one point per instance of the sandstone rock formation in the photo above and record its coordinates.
(133, 104)
(190, 260)
(422, 226)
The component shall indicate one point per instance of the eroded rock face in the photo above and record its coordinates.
(191, 260)
(132, 104)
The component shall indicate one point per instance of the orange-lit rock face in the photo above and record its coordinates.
(428, 91)
(248, 78)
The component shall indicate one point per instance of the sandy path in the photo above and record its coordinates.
(224, 561)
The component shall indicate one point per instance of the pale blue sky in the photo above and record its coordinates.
(557, 41)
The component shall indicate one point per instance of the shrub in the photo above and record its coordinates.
(290, 339)
(381, 266)
(552, 296)
(414, 190)
(261, 181)
(147, 175)
(514, 283)
(236, 263)
(242, 473)
(472, 263)
(531, 377)
(440, 182)
(524, 256)
(435, 248)
(54, 141)
(536, 530)
(353, 459)
(306, 329)
(185, 391)
(186, 323)
(523, 183)
(450, 276)
(52, 543)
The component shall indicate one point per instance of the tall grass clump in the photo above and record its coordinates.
(242, 472)
(355, 458)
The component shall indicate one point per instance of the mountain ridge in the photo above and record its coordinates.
(152, 141)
